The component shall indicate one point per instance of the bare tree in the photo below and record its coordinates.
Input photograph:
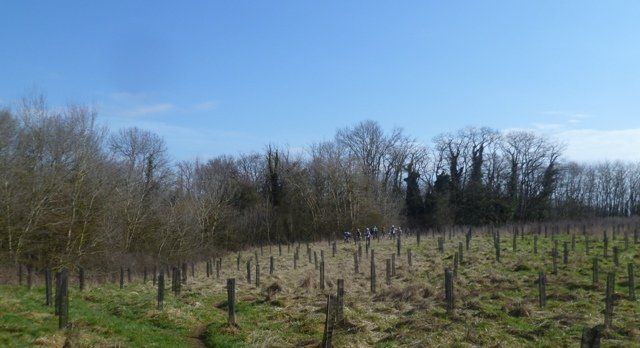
(52, 190)
(530, 158)
(143, 162)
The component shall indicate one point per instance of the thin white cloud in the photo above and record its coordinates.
(571, 118)
(189, 142)
(598, 145)
(184, 141)
(590, 145)
(130, 104)
(149, 110)
(518, 129)
(207, 105)
(569, 115)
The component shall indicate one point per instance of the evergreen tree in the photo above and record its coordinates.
(414, 206)
(475, 200)
(438, 207)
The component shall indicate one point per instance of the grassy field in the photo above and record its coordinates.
(496, 303)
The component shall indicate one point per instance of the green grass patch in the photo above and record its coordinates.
(496, 303)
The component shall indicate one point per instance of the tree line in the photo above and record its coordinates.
(73, 192)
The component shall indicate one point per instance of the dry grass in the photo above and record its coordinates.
(496, 303)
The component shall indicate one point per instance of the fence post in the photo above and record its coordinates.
(608, 312)
(161, 290)
(64, 300)
(81, 278)
(322, 275)
(249, 272)
(56, 305)
(455, 264)
(590, 337)
(315, 259)
(231, 300)
(340, 301)
(542, 289)
(467, 239)
(393, 265)
(47, 285)
(257, 275)
(373, 273)
(448, 286)
(586, 245)
(329, 322)
(388, 272)
(632, 282)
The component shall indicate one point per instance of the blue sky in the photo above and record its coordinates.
(231, 77)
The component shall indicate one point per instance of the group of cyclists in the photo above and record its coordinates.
(372, 233)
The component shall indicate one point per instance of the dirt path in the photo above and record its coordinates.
(195, 337)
